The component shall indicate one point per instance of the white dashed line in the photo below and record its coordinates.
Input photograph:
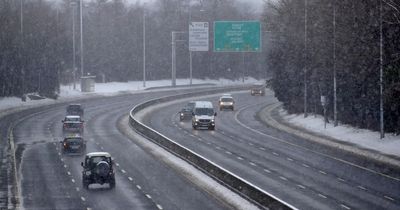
(218, 148)
(123, 171)
(301, 186)
(289, 159)
(322, 196)
(139, 187)
(262, 148)
(266, 170)
(305, 165)
(250, 144)
(117, 164)
(69, 173)
(208, 143)
(361, 187)
(240, 158)
(389, 198)
(83, 199)
(159, 207)
(148, 196)
(73, 180)
(253, 164)
(322, 172)
(65, 166)
(276, 154)
(59, 154)
(130, 178)
(62, 159)
(283, 178)
(199, 139)
(77, 189)
(340, 179)
(344, 206)
(229, 153)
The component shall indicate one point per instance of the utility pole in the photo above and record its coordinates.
(173, 76)
(334, 68)
(73, 4)
(305, 58)
(22, 47)
(144, 47)
(382, 127)
(81, 18)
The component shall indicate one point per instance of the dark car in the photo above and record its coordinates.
(72, 127)
(186, 111)
(75, 109)
(258, 89)
(73, 145)
(98, 169)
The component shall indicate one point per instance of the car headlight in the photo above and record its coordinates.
(197, 120)
(212, 120)
(181, 114)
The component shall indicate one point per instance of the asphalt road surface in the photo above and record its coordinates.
(303, 174)
(49, 179)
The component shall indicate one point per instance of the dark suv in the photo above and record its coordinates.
(73, 145)
(98, 169)
(75, 109)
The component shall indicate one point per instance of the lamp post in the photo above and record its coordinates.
(305, 58)
(382, 128)
(335, 123)
(81, 26)
(73, 5)
(144, 46)
(22, 45)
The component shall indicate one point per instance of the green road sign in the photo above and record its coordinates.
(237, 36)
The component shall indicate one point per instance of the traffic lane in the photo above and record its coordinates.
(35, 129)
(299, 170)
(316, 157)
(145, 170)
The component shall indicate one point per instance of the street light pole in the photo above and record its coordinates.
(81, 19)
(382, 127)
(22, 45)
(334, 67)
(73, 4)
(173, 76)
(190, 50)
(144, 47)
(305, 58)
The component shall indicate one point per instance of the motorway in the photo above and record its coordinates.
(51, 180)
(303, 174)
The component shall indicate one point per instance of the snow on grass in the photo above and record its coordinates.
(361, 137)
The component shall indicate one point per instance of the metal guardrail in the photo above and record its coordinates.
(247, 190)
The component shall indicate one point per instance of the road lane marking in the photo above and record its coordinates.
(361, 187)
(73, 180)
(322, 172)
(62, 159)
(83, 199)
(389, 198)
(130, 178)
(65, 166)
(283, 178)
(59, 154)
(305, 165)
(289, 159)
(139, 187)
(344, 206)
(322, 196)
(240, 158)
(229, 153)
(266, 170)
(123, 171)
(148, 196)
(340, 179)
(276, 154)
(77, 189)
(253, 164)
(117, 164)
(262, 148)
(159, 207)
(251, 144)
(301, 186)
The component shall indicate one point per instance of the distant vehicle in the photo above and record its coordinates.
(203, 115)
(73, 144)
(72, 124)
(226, 101)
(258, 89)
(186, 111)
(98, 169)
(72, 118)
(75, 109)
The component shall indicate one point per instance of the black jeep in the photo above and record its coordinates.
(98, 169)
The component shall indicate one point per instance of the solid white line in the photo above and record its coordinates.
(159, 207)
(322, 172)
(322, 196)
(148, 196)
(301, 186)
(344, 206)
(389, 198)
(130, 178)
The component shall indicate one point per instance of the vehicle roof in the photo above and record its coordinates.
(72, 116)
(226, 96)
(98, 154)
(74, 104)
(203, 104)
(73, 136)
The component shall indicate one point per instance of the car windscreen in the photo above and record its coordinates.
(72, 125)
(204, 111)
(227, 99)
(74, 141)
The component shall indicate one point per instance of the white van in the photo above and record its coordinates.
(203, 115)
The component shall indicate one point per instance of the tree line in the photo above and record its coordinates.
(36, 42)
(317, 40)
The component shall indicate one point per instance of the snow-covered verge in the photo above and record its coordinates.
(361, 137)
(67, 93)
